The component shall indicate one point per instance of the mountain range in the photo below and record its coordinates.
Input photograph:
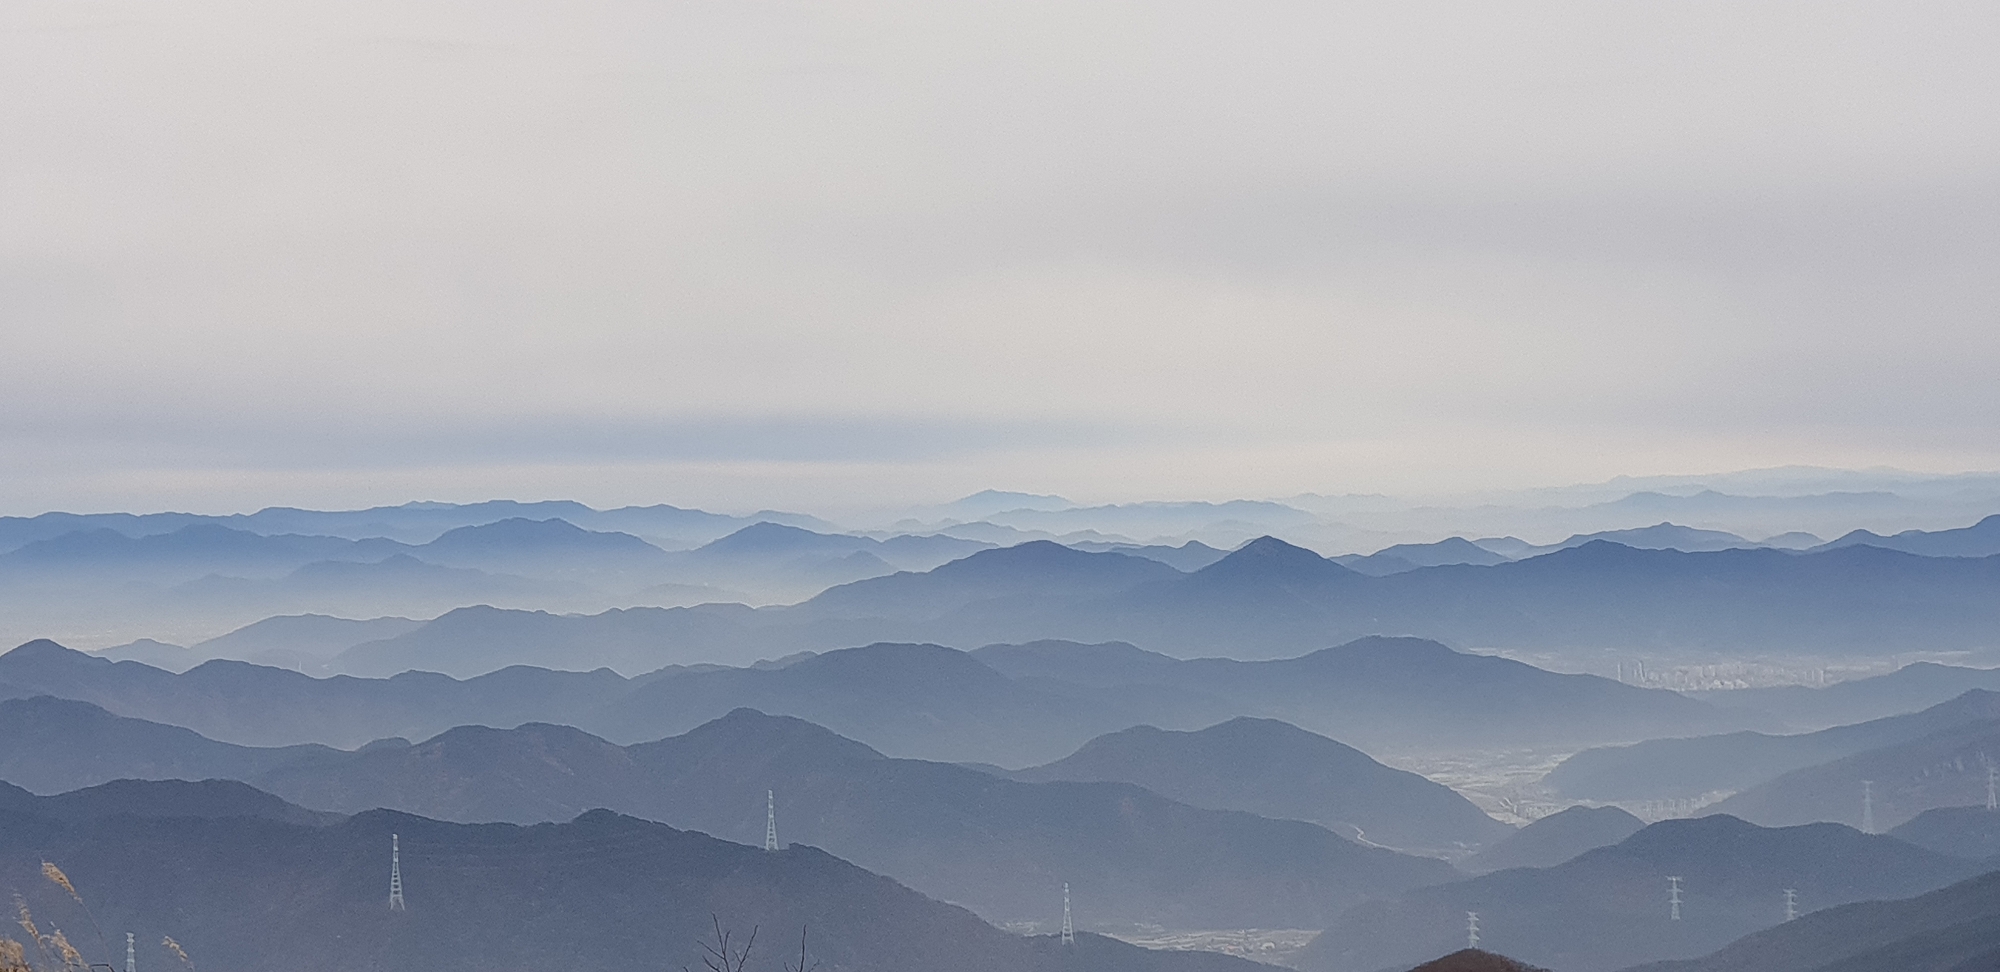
(1969, 832)
(1953, 929)
(1007, 705)
(1662, 769)
(957, 833)
(1275, 769)
(247, 891)
(1609, 908)
(1271, 599)
(1947, 768)
(1556, 838)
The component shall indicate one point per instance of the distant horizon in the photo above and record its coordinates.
(1636, 482)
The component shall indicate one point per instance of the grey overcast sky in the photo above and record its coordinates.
(742, 253)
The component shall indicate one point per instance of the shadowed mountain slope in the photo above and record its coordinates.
(1908, 689)
(1557, 838)
(1030, 575)
(53, 745)
(1275, 769)
(259, 705)
(1953, 929)
(962, 835)
(1981, 539)
(1376, 692)
(1944, 769)
(207, 799)
(1969, 832)
(590, 894)
(1608, 908)
(986, 842)
(1682, 768)
(1475, 960)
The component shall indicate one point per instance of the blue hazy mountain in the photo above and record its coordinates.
(1608, 908)
(1410, 556)
(1274, 769)
(540, 546)
(1272, 598)
(287, 641)
(191, 551)
(1694, 767)
(977, 839)
(1663, 536)
(954, 832)
(1556, 838)
(1032, 575)
(1190, 556)
(412, 523)
(923, 701)
(1981, 539)
(1907, 689)
(159, 654)
(1374, 691)
(471, 641)
(589, 894)
(1010, 705)
(1969, 832)
(210, 799)
(1946, 768)
(51, 745)
(786, 560)
(1953, 929)
(265, 706)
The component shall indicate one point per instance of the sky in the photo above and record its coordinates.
(742, 254)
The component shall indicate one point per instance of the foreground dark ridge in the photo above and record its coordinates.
(1607, 909)
(601, 893)
(957, 833)
(1954, 929)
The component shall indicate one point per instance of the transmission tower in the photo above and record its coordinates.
(1867, 806)
(1992, 786)
(1069, 929)
(770, 821)
(1673, 899)
(1791, 903)
(1472, 929)
(131, 955)
(396, 874)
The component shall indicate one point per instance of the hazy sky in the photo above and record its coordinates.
(811, 254)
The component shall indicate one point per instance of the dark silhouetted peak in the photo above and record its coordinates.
(748, 731)
(42, 650)
(1270, 557)
(521, 535)
(894, 662)
(1475, 960)
(1378, 651)
(1558, 837)
(204, 799)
